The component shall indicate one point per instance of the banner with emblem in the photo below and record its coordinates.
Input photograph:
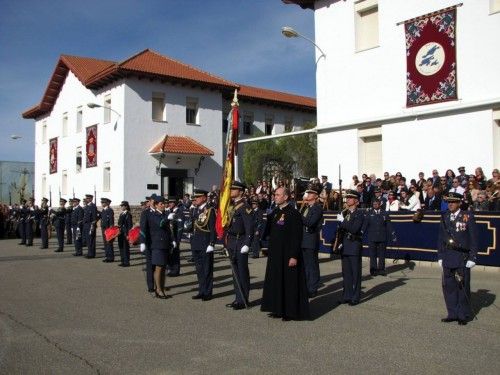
(431, 64)
(53, 155)
(91, 146)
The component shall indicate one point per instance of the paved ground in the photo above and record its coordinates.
(60, 314)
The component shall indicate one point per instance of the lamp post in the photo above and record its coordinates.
(95, 105)
(289, 32)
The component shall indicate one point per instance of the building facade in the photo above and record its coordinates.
(365, 121)
(149, 124)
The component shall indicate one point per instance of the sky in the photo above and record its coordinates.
(239, 40)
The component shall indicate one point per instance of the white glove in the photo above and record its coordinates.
(210, 249)
(470, 264)
(340, 218)
(143, 247)
(440, 262)
(174, 244)
(244, 249)
(170, 216)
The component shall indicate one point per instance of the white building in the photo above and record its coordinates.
(158, 126)
(364, 122)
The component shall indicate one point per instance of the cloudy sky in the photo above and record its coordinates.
(239, 40)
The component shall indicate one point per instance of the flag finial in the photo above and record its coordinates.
(235, 98)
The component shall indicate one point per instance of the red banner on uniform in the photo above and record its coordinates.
(91, 146)
(431, 64)
(53, 155)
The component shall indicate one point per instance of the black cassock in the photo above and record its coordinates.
(285, 289)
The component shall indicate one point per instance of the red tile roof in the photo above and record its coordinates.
(276, 97)
(303, 3)
(180, 145)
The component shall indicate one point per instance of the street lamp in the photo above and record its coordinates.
(95, 105)
(289, 32)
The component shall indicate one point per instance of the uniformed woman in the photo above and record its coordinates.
(125, 224)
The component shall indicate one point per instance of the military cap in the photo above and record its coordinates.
(312, 190)
(148, 198)
(324, 177)
(159, 199)
(105, 200)
(453, 197)
(44, 199)
(31, 199)
(62, 200)
(237, 185)
(172, 200)
(460, 169)
(199, 193)
(352, 194)
(76, 199)
(152, 196)
(89, 196)
(124, 203)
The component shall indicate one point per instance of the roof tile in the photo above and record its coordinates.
(180, 145)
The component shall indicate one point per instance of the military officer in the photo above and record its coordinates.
(457, 250)
(378, 229)
(125, 223)
(176, 220)
(312, 219)
(28, 221)
(145, 239)
(239, 234)
(22, 214)
(69, 234)
(202, 243)
(351, 222)
(258, 226)
(43, 218)
(59, 221)
(89, 225)
(107, 221)
(77, 226)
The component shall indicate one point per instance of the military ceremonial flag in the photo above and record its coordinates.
(228, 174)
(431, 75)
(53, 155)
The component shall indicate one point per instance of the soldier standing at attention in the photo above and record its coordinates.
(77, 226)
(258, 226)
(312, 218)
(351, 222)
(125, 223)
(59, 221)
(457, 250)
(43, 214)
(146, 241)
(175, 219)
(22, 214)
(239, 235)
(107, 221)
(28, 222)
(377, 226)
(89, 225)
(69, 234)
(202, 244)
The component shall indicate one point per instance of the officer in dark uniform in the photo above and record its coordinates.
(239, 234)
(378, 229)
(69, 234)
(77, 226)
(176, 219)
(312, 219)
(351, 222)
(59, 222)
(202, 243)
(43, 218)
(22, 214)
(145, 239)
(29, 220)
(457, 250)
(125, 223)
(107, 221)
(89, 225)
(258, 226)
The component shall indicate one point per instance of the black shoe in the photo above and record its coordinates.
(58, 251)
(198, 296)
(462, 322)
(373, 272)
(108, 261)
(382, 273)
(286, 319)
(344, 301)
(43, 247)
(29, 244)
(353, 303)
(448, 320)
(124, 265)
(231, 305)
(313, 294)
(206, 298)
(274, 315)
(255, 257)
(151, 290)
(238, 306)
(89, 257)
(22, 243)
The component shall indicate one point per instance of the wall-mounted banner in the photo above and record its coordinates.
(53, 155)
(91, 146)
(431, 66)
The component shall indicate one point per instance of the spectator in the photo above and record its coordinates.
(480, 178)
(354, 182)
(383, 201)
(456, 187)
(449, 175)
(392, 202)
(495, 179)
(435, 177)
(481, 204)
(409, 201)
(386, 183)
(462, 177)
(368, 192)
(432, 201)
(474, 190)
(421, 181)
(360, 190)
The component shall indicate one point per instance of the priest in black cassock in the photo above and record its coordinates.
(285, 290)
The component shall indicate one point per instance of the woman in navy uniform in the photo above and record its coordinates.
(202, 244)
(175, 220)
(457, 251)
(351, 222)
(77, 226)
(125, 223)
(59, 222)
(89, 225)
(107, 221)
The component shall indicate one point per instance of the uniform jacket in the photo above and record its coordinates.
(463, 235)
(145, 237)
(204, 227)
(258, 222)
(352, 225)
(177, 223)
(377, 226)
(107, 218)
(77, 217)
(89, 213)
(241, 224)
(157, 229)
(58, 217)
(312, 220)
(125, 222)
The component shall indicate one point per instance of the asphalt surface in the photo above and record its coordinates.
(61, 314)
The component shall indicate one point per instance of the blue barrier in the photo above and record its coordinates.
(418, 241)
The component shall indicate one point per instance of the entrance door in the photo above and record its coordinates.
(173, 182)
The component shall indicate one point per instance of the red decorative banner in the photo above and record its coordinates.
(431, 63)
(91, 146)
(53, 155)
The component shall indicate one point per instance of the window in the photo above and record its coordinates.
(247, 123)
(494, 6)
(65, 124)
(44, 132)
(225, 122)
(64, 184)
(106, 178)
(107, 109)
(44, 185)
(269, 124)
(158, 106)
(191, 110)
(366, 24)
(79, 119)
(288, 124)
(78, 167)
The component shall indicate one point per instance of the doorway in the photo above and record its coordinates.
(175, 183)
